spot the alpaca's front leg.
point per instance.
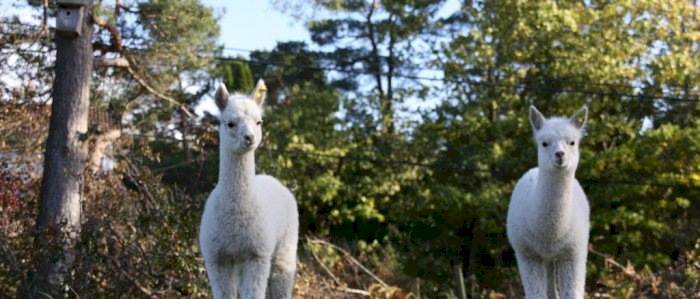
(284, 264)
(254, 277)
(572, 278)
(552, 280)
(280, 284)
(281, 280)
(533, 273)
(221, 279)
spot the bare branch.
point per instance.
(45, 18)
(340, 285)
(146, 291)
(351, 258)
(124, 63)
(371, 35)
(156, 93)
(357, 291)
(328, 271)
(627, 270)
(100, 46)
(117, 6)
(116, 37)
(107, 62)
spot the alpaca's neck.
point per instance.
(555, 202)
(236, 174)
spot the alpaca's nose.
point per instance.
(559, 154)
(248, 139)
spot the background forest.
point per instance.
(400, 131)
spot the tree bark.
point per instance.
(460, 288)
(184, 126)
(58, 222)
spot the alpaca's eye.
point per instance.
(545, 144)
(259, 122)
(572, 143)
(230, 124)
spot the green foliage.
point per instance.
(197, 176)
(178, 32)
(237, 76)
(679, 280)
(444, 199)
(428, 196)
(171, 48)
(301, 118)
(623, 223)
(371, 41)
(521, 53)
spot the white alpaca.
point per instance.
(548, 215)
(249, 230)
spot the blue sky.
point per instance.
(245, 24)
(251, 25)
(255, 25)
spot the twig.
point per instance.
(357, 291)
(124, 62)
(628, 270)
(130, 172)
(74, 292)
(117, 6)
(351, 258)
(340, 286)
(328, 271)
(156, 93)
(115, 62)
(138, 245)
(133, 280)
(44, 19)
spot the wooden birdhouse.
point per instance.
(69, 17)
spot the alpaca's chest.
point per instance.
(548, 243)
(234, 231)
(238, 241)
(236, 225)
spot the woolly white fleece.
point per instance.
(548, 215)
(249, 230)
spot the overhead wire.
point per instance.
(470, 82)
(521, 86)
(567, 81)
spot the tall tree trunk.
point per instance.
(387, 109)
(458, 272)
(375, 62)
(184, 126)
(58, 223)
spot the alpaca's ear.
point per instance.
(536, 118)
(579, 118)
(259, 93)
(221, 96)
